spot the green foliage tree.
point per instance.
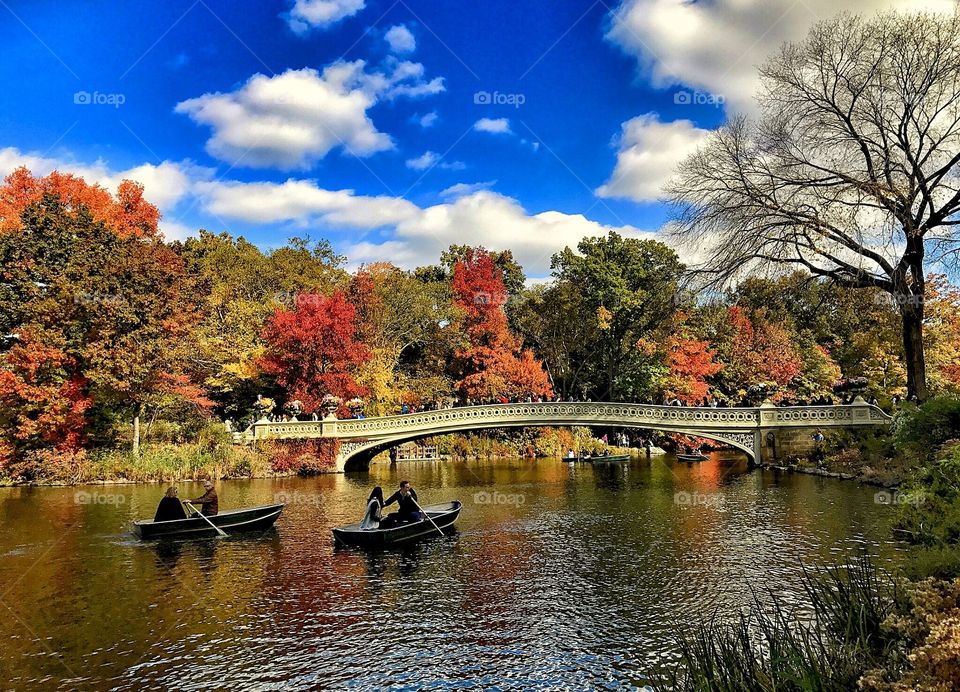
(627, 290)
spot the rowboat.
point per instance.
(610, 459)
(234, 521)
(692, 457)
(443, 516)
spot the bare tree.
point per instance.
(850, 168)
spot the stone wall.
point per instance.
(776, 445)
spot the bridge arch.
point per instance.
(357, 455)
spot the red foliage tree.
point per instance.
(43, 399)
(313, 348)
(127, 212)
(756, 351)
(493, 363)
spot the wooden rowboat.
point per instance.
(443, 516)
(234, 521)
(692, 457)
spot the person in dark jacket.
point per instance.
(406, 496)
(209, 502)
(170, 508)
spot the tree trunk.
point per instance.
(911, 311)
(136, 435)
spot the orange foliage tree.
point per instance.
(127, 213)
(492, 364)
(43, 401)
(690, 362)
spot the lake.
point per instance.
(572, 576)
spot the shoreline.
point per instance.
(824, 473)
(634, 452)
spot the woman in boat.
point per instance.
(371, 520)
(170, 508)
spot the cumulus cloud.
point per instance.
(428, 120)
(717, 46)
(400, 39)
(648, 151)
(294, 119)
(431, 159)
(463, 189)
(497, 126)
(477, 216)
(320, 14)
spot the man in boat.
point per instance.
(406, 496)
(170, 508)
(209, 503)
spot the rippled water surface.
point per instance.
(558, 576)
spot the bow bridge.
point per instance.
(764, 433)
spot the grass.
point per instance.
(771, 648)
(156, 462)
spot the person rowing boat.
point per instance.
(209, 502)
(408, 509)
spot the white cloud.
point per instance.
(294, 119)
(428, 120)
(717, 46)
(494, 125)
(321, 14)
(463, 189)
(431, 159)
(401, 40)
(648, 151)
(301, 201)
(418, 233)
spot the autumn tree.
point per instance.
(397, 316)
(312, 349)
(112, 303)
(491, 363)
(690, 363)
(850, 170)
(43, 398)
(127, 213)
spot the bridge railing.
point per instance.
(678, 418)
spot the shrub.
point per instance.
(920, 431)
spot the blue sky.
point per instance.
(365, 121)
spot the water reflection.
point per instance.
(559, 575)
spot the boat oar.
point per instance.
(220, 532)
(429, 518)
